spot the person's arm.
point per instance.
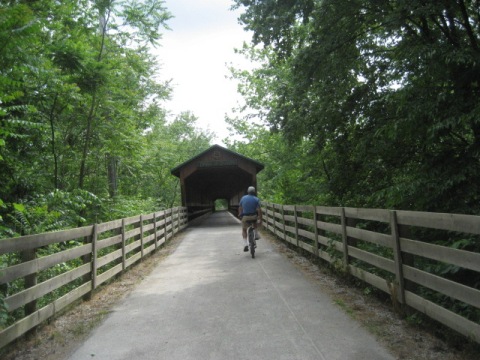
(259, 213)
(240, 211)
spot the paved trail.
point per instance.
(210, 300)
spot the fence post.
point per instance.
(274, 213)
(296, 223)
(171, 222)
(266, 215)
(87, 259)
(315, 219)
(177, 214)
(283, 223)
(178, 218)
(124, 254)
(272, 217)
(344, 238)
(398, 289)
(141, 236)
(94, 257)
(30, 281)
(155, 229)
(165, 233)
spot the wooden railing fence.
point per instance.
(388, 249)
(394, 252)
(94, 254)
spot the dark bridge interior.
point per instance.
(216, 173)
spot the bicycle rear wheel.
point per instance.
(251, 240)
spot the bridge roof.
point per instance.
(177, 170)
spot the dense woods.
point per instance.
(368, 104)
(378, 102)
(356, 103)
(353, 103)
(84, 135)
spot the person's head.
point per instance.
(251, 190)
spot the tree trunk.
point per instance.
(86, 144)
(54, 151)
(112, 175)
(103, 20)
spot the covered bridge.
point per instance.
(216, 173)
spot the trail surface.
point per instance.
(210, 300)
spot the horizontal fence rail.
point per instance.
(79, 260)
(397, 252)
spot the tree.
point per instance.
(288, 177)
(74, 101)
(75, 87)
(386, 90)
(170, 144)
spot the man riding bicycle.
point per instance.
(249, 210)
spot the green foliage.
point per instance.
(287, 178)
(83, 136)
(80, 114)
(55, 211)
(221, 204)
(7, 289)
(17, 24)
(168, 146)
(120, 207)
(383, 95)
(3, 312)
(147, 16)
(367, 104)
(415, 319)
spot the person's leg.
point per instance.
(244, 234)
(246, 220)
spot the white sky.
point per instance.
(195, 54)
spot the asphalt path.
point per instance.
(210, 300)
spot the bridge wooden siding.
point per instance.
(349, 238)
(216, 173)
(102, 251)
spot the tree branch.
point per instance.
(466, 24)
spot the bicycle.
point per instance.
(251, 237)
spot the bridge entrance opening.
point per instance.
(221, 204)
(216, 173)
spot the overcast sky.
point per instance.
(195, 54)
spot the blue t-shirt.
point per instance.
(249, 204)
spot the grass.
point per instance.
(345, 307)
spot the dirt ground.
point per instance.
(407, 340)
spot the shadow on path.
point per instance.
(216, 219)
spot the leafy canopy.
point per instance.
(385, 90)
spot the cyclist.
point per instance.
(248, 210)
